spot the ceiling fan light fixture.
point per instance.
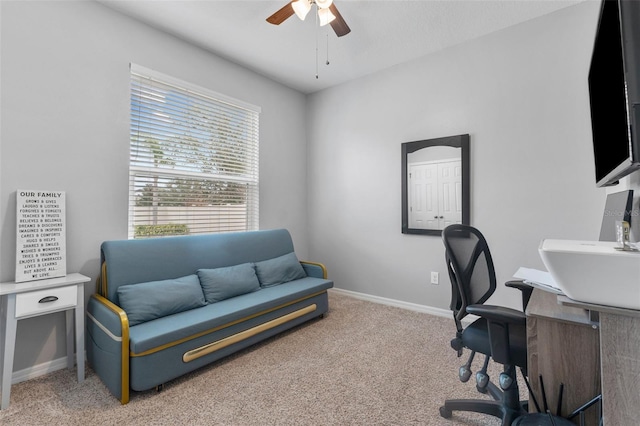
(301, 8)
(325, 16)
(327, 13)
(324, 4)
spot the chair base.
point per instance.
(492, 408)
(505, 405)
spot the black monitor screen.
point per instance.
(607, 94)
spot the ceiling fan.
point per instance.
(327, 14)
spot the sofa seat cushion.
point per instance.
(155, 299)
(184, 325)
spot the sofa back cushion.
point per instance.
(154, 259)
(147, 301)
(223, 283)
(279, 270)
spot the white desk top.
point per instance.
(13, 287)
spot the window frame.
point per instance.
(214, 142)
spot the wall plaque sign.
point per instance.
(40, 235)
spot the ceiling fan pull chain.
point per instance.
(327, 48)
(317, 29)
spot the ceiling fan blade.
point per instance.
(339, 25)
(281, 15)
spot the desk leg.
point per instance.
(9, 346)
(69, 332)
(620, 368)
(564, 353)
(3, 333)
(80, 333)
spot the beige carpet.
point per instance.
(363, 364)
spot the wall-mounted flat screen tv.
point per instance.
(614, 91)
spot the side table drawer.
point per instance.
(42, 301)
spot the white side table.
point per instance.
(34, 298)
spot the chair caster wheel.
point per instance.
(464, 373)
(160, 388)
(445, 412)
(482, 380)
(505, 381)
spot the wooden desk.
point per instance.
(620, 362)
(35, 298)
(564, 347)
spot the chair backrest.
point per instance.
(470, 266)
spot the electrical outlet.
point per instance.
(435, 277)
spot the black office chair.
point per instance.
(499, 333)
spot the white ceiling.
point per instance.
(383, 33)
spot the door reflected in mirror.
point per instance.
(434, 187)
(435, 184)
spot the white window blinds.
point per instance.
(194, 159)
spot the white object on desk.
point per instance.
(538, 279)
(30, 299)
(594, 271)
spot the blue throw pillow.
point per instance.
(222, 283)
(279, 270)
(155, 299)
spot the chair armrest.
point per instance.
(499, 320)
(525, 288)
(519, 284)
(498, 314)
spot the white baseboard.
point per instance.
(397, 303)
(38, 370)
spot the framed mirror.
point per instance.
(435, 184)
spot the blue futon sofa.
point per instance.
(167, 306)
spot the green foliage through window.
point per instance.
(144, 231)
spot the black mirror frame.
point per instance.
(459, 141)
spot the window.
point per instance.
(194, 159)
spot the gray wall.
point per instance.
(65, 126)
(521, 94)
